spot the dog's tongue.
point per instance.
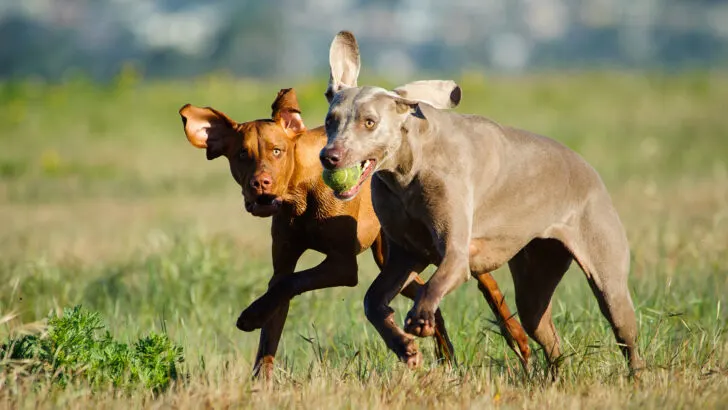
(350, 191)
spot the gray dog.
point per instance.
(468, 195)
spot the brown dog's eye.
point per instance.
(277, 151)
(243, 154)
(369, 123)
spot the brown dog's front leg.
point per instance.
(270, 336)
(335, 270)
(285, 258)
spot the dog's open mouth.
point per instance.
(367, 168)
(264, 205)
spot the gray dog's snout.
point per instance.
(331, 157)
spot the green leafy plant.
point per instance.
(78, 346)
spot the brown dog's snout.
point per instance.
(261, 182)
(331, 157)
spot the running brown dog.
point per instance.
(276, 162)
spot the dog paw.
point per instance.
(247, 322)
(263, 370)
(255, 316)
(420, 323)
(414, 361)
(410, 355)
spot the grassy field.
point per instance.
(104, 203)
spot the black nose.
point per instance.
(330, 157)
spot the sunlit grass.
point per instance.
(104, 203)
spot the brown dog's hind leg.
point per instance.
(443, 346)
(481, 261)
(510, 327)
(537, 269)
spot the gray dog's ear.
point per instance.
(345, 63)
(441, 94)
(407, 106)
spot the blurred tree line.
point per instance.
(174, 38)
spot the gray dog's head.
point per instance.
(364, 125)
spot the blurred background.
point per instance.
(103, 202)
(289, 38)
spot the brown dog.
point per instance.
(276, 162)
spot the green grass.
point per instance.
(104, 203)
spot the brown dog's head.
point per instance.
(260, 152)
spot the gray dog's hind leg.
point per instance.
(537, 269)
(603, 254)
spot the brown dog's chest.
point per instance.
(326, 225)
(336, 233)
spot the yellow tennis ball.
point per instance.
(343, 179)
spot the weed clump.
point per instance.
(78, 346)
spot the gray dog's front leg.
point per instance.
(395, 275)
(451, 273)
(454, 241)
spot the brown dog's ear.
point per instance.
(344, 61)
(207, 128)
(286, 112)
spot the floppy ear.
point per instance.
(207, 128)
(405, 106)
(286, 112)
(344, 62)
(438, 93)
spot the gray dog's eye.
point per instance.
(369, 123)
